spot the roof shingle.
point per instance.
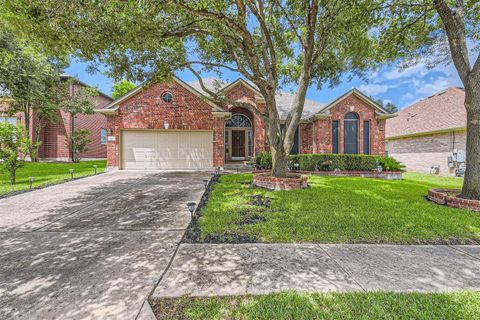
(442, 111)
(283, 99)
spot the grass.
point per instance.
(338, 210)
(47, 173)
(354, 305)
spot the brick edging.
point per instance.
(265, 180)
(440, 196)
(387, 175)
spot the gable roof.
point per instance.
(113, 106)
(283, 99)
(380, 111)
(442, 111)
(68, 76)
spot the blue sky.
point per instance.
(402, 87)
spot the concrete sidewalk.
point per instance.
(229, 269)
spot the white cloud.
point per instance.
(397, 73)
(373, 89)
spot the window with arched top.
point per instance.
(350, 137)
(351, 116)
(238, 121)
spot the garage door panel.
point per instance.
(167, 150)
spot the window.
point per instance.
(167, 97)
(350, 137)
(11, 120)
(103, 136)
(238, 121)
(335, 136)
(366, 137)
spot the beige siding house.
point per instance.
(430, 134)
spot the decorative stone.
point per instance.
(265, 180)
(449, 197)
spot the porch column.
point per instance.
(219, 142)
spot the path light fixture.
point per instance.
(95, 168)
(191, 207)
(217, 170)
(205, 183)
(30, 180)
(71, 172)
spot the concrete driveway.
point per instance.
(92, 248)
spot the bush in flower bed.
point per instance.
(330, 162)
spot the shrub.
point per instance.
(330, 162)
(390, 164)
(14, 146)
(264, 160)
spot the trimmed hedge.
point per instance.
(330, 162)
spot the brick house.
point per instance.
(427, 133)
(171, 125)
(54, 145)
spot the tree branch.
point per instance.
(454, 23)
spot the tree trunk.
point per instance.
(279, 162)
(471, 182)
(12, 177)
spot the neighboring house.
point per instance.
(171, 125)
(54, 136)
(424, 135)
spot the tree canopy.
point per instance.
(274, 44)
(121, 88)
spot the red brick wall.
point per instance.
(241, 92)
(54, 135)
(306, 138)
(94, 123)
(323, 129)
(147, 110)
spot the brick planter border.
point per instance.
(265, 180)
(386, 175)
(441, 196)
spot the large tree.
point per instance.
(442, 31)
(31, 80)
(272, 43)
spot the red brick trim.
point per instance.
(445, 197)
(265, 180)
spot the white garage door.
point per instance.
(167, 149)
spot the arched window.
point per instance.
(351, 133)
(238, 121)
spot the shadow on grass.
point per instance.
(340, 209)
(292, 305)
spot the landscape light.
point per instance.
(71, 172)
(191, 207)
(31, 179)
(205, 183)
(95, 168)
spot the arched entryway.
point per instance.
(239, 136)
(351, 133)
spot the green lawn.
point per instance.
(291, 305)
(48, 173)
(338, 210)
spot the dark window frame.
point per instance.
(367, 145)
(335, 136)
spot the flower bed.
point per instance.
(449, 197)
(265, 180)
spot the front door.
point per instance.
(238, 144)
